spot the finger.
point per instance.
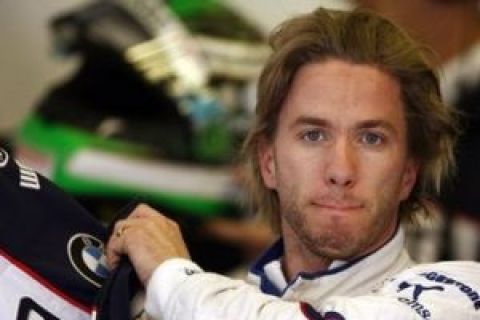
(118, 239)
(112, 253)
(150, 217)
(143, 211)
(112, 259)
(115, 246)
(120, 227)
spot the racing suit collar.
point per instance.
(266, 271)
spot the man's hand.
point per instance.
(148, 238)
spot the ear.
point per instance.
(409, 178)
(266, 160)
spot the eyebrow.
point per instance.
(374, 123)
(365, 124)
(306, 120)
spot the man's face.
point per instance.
(339, 161)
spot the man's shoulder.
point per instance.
(450, 288)
(467, 270)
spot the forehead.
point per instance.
(345, 92)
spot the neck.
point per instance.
(296, 261)
(298, 257)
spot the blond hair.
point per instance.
(360, 37)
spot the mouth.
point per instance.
(340, 206)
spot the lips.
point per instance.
(338, 205)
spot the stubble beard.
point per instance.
(324, 244)
(334, 242)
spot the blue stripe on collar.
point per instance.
(275, 252)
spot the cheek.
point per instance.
(383, 177)
(297, 168)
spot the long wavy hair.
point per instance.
(359, 37)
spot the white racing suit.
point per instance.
(381, 285)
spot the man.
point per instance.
(349, 136)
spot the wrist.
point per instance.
(163, 282)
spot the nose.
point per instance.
(340, 167)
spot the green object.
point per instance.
(209, 17)
(63, 142)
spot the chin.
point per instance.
(335, 247)
(342, 253)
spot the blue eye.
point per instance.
(371, 138)
(313, 135)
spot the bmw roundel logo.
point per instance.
(87, 256)
(3, 158)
